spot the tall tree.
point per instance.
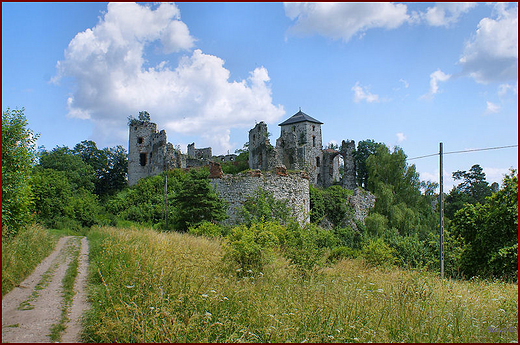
(18, 157)
(473, 189)
(489, 232)
(365, 148)
(196, 201)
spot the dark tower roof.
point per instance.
(300, 116)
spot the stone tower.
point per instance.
(262, 154)
(149, 153)
(300, 145)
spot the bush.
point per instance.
(377, 253)
(342, 252)
(263, 207)
(306, 245)
(209, 229)
(250, 247)
(330, 203)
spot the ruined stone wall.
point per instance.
(236, 188)
(262, 155)
(204, 153)
(349, 177)
(362, 201)
(149, 153)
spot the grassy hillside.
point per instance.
(170, 287)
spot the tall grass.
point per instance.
(158, 287)
(21, 254)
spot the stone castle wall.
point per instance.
(293, 188)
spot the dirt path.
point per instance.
(31, 311)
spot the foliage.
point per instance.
(250, 247)
(342, 252)
(365, 149)
(306, 245)
(196, 201)
(262, 206)
(330, 203)
(78, 173)
(58, 204)
(473, 189)
(18, 157)
(110, 166)
(489, 233)
(209, 229)
(377, 253)
(144, 117)
(240, 164)
(397, 188)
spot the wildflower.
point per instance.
(204, 295)
(213, 291)
(225, 298)
(208, 315)
(152, 308)
(129, 286)
(356, 339)
(380, 290)
(330, 336)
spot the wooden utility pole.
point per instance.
(165, 200)
(441, 213)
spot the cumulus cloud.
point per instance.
(344, 20)
(361, 93)
(435, 78)
(400, 137)
(492, 108)
(445, 13)
(503, 89)
(107, 64)
(491, 55)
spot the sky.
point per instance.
(410, 75)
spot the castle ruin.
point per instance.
(299, 147)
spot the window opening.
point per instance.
(317, 161)
(142, 159)
(140, 140)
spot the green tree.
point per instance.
(261, 206)
(365, 149)
(473, 189)
(489, 232)
(78, 173)
(196, 202)
(110, 166)
(18, 158)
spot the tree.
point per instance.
(365, 149)
(110, 166)
(489, 232)
(196, 202)
(78, 173)
(18, 158)
(473, 189)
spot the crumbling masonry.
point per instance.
(299, 147)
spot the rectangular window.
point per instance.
(140, 140)
(142, 159)
(318, 162)
(313, 141)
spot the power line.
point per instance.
(464, 151)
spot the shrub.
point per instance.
(305, 246)
(250, 247)
(208, 229)
(377, 253)
(262, 206)
(342, 252)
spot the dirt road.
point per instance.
(33, 310)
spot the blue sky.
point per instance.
(406, 74)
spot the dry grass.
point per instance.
(158, 287)
(21, 254)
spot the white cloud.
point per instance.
(405, 83)
(400, 137)
(491, 55)
(362, 94)
(344, 20)
(446, 13)
(503, 89)
(492, 108)
(195, 97)
(435, 78)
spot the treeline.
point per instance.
(76, 188)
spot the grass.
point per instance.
(168, 287)
(21, 254)
(67, 289)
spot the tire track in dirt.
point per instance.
(31, 309)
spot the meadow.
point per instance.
(149, 286)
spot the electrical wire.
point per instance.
(464, 151)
